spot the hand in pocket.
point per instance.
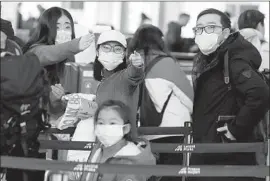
(226, 132)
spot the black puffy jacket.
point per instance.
(213, 98)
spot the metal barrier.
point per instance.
(141, 130)
(186, 131)
(158, 170)
(183, 55)
(165, 147)
(268, 137)
(185, 148)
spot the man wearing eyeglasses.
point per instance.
(227, 105)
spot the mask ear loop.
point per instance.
(225, 38)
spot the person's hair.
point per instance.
(174, 26)
(98, 67)
(224, 19)
(45, 33)
(250, 19)
(144, 17)
(227, 14)
(184, 15)
(122, 109)
(146, 38)
(128, 40)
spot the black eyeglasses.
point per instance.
(116, 49)
(208, 29)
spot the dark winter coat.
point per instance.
(213, 99)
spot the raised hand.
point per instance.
(86, 41)
(57, 92)
(136, 59)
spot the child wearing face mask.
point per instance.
(115, 145)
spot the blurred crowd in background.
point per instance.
(175, 19)
(132, 75)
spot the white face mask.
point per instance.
(208, 43)
(108, 135)
(110, 60)
(62, 36)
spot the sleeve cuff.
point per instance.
(135, 71)
(240, 133)
(233, 130)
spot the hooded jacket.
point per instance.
(213, 98)
(124, 152)
(256, 38)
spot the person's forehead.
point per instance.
(63, 20)
(207, 19)
(112, 43)
(108, 113)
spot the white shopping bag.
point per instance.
(84, 132)
(79, 106)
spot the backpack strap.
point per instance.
(154, 62)
(226, 70)
(166, 103)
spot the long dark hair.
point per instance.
(45, 34)
(98, 67)
(124, 112)
(146, 38)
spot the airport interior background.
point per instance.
(127, 17)
(124, 16)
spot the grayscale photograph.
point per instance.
(135, 91)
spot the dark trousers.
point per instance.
(17, 175)
(170, 158)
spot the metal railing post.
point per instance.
(268, 141)
(187, 140)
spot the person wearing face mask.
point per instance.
(166, 95)
(115, 144)
(118, 81)
(223, 111)
(54, 42)
(251, 27)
